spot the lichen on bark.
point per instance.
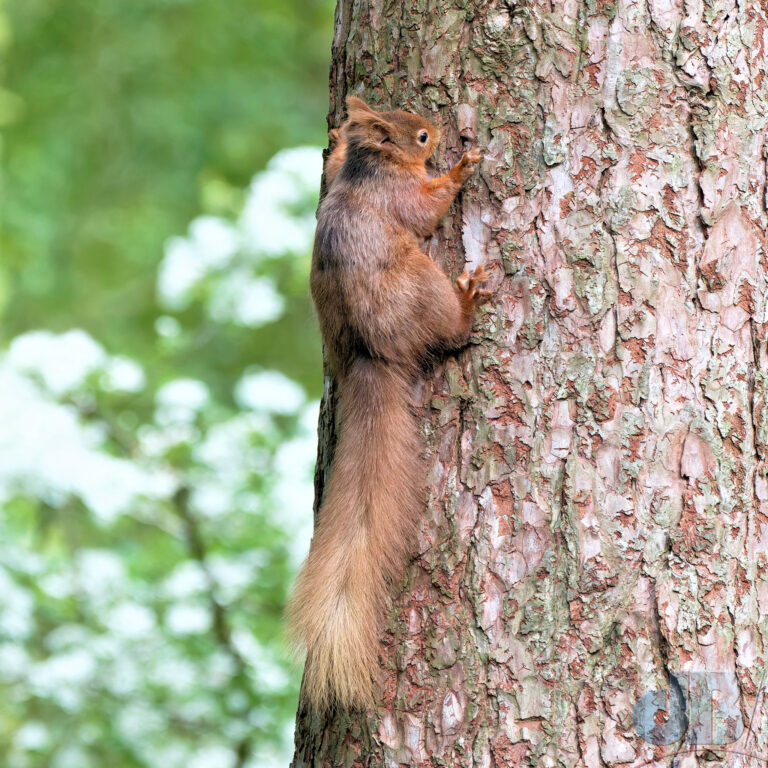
(597, 515)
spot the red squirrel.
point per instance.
(384, 309)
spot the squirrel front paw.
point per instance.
(468, 163)
(473, 156)
(469, 286)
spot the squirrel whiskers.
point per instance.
(384, 309)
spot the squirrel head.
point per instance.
(402, 137)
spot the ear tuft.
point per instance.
(359, 110)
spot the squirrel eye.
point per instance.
(423, 136)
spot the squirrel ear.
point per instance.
(380, 131)
(369, 119)
(359, 111)
(357, 108)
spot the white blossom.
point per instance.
(210, 245)
(185, 580)
(167, 326)
(244, 300)
(123, 374)
(15, 608)
(32, 735)
(46, 451)
(71, 756)
(217, 756)
(62, 361)
(180, 400)
(269, 391)
(294, 492)
(130, 619)
(188, 619)
(269, 225)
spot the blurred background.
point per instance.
(160, 372)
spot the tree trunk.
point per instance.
(597, 521)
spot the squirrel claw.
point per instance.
(469, 285)
(473, 156)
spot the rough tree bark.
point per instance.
(597, 522)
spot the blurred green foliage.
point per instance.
(155, 462)
(123, 119)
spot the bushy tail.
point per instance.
(364, 535)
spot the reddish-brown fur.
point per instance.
(384, 309)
